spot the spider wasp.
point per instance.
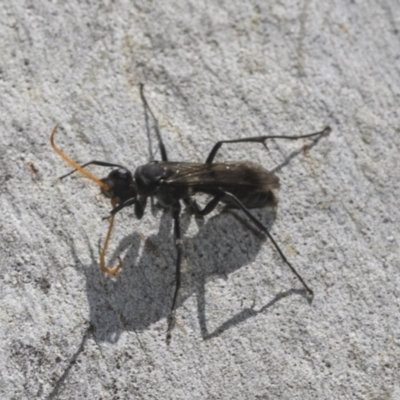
(243, 185)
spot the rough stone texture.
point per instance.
(212, 70)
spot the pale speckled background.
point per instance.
(212, 70)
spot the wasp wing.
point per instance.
(237, 175)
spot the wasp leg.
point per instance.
(260, 139)
(179, 248)
(265, 230)
(119, 207)
(163, 151)
(93, 162)
(194, 207)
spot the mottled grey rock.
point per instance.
(212, 71)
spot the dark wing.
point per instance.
(202, 177)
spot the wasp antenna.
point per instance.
(74, 165)
(107, 270)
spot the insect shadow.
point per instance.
(140, 295)
(241, 185)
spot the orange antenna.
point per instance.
(73, 164)
(114, 270)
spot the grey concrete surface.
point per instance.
(212, 71)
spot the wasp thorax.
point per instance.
(148, 177)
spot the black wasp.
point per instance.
(241, 184)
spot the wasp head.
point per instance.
(121, 185)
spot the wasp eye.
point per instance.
(123, 173)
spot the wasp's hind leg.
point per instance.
(265, 230)
(260, 139)
(195, 209)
